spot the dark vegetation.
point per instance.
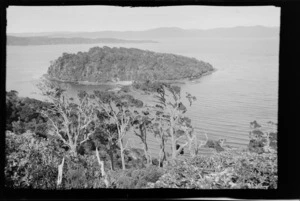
(40, 40)
(81, 142)
(124, 64)
(23, 114)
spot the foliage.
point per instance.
(18, 127)
(263, 139)
(31, 162)
(82, 172)
(142, 124)
(170, 116)
(119, 110)
(72, 121)
(215, 145)
(12, 107)
(147, 86)
(109, 64)
(135, 178)
(228, 169)
(106, 138)
(23, 114)
(135, 158)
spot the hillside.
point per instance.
(169, 32)
(24, 41)
(123, 64)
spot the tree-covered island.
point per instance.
(107, 64)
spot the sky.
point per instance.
(24, 19)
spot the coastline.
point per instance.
(87, 83)
(129, 82)
(185, 80)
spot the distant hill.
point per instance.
(41, 40)
(125, 64)
(170, 32)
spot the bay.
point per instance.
(243, 89)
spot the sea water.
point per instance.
(244, 87)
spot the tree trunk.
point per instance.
(122, 154)
(111, 155)
(60, 172)
(101, 163)
(147, 155)
(73, 149)
(162, 150)
(173, 144)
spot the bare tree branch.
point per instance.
(181, 147)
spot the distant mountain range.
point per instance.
(42, 40)
(165, 32)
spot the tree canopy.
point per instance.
(111, 64)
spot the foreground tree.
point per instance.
(120, 108)
(142, 124)
(161, 134)
(72, 120)
(186, 130)
(106, 138)
(170, 109)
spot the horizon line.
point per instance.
(142, 30)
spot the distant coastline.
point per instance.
(31, 41)
(166, 32)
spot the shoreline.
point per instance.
(87, 83)
(185, 80)
(128, 82)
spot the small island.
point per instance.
(104, 65)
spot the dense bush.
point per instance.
(135, 178)
(31, 162)
(254, 167)
(82, 172)
(227, 169)
(22, 114)
(215, 145)
(147, 86)
(263, 139)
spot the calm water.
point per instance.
(244, 87)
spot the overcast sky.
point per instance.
(99, 18)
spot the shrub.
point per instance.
(18, 127)
(23, 113)
(82, 172)
(231, 168)
(75, 177)
(215, 145)
(136, 178)
(263, 139)
(135, 158)
(31, 162)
